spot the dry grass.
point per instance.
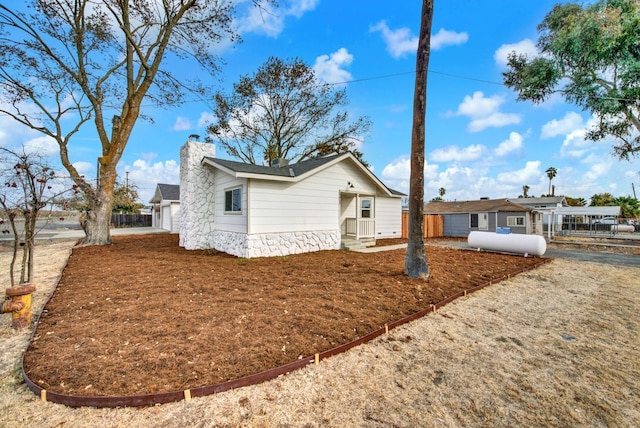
(558, 346)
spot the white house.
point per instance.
(166, 207)
(255, 211)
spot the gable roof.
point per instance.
(545, 201)
(294, 172)
(166, 192)
(483, 205)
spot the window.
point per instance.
(515, 221)
(365, 208)
(473, 220)
(233, 200)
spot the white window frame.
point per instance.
(233, 190)
(363, 209)
(515, 221)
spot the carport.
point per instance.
(583, 220)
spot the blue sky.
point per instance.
(479, 140)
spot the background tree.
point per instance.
(551, 174)
(125, 199)
(66, 63)
(602, 200)
(629, 206)
(282, 111)
(575, 202)
(590, 55)
(525, 191)
(416, 265)
(29, 186)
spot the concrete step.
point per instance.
(351, 244)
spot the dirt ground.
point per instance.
(535, 350)
(146, 316)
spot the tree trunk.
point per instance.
(416, 260)
(97, 221)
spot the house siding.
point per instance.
(175, 217)
(229, 222)
(458, 225)
(388, 213)
(312, 204)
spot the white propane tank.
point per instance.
(508, 242)
(622, 228)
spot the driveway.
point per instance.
(616, 259)
(594, 256)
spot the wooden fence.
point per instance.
(130, 220)
(433, 225)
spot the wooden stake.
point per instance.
(43, 395)
(187, 395)
(317, 359)
(386, 329)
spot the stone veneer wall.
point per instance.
(197, 217)
(275, 244)
(197, 199)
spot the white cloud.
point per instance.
(84, 168)
(401, 41)
(526, 47)
(206, 119)
(43, 146)
(396, 174)
(512, 144)
(329, 68)
(600, 169)
(447, 38)
(484, 113)
(146, 175)
(455, 154)
(495, 120)
(182, 124)
(576, 145)
(571, 121)
(269, 20)
(527, 174)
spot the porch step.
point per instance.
(352, 244)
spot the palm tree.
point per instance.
(551, 173)
(442, 191)
(415, 264)
(525, 191)
(629, 206)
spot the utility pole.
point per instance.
(126, 183)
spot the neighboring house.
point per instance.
(254, 211)
(166, 207)
(546, 205)
(462, 217)
(546, 202)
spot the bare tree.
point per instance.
(29, 186)
(283, 111)
(416, 265)
(64, 63)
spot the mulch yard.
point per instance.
(145, 316)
